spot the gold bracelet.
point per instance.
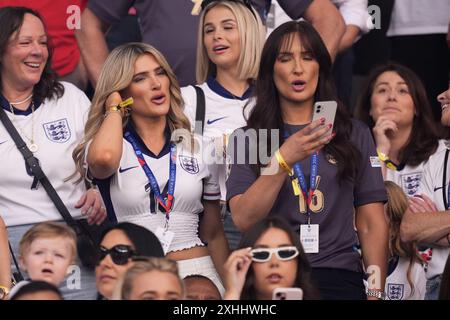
(113, 110)
(283, 163)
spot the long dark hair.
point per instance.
(303, 278)
(424, 138)
(144, 241)
(11, 20)
(266, 114)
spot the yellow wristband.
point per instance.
(283, 163)
(126, 102)
(383, 157)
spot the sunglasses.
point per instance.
(282, 253)
(247, 3)
(120, 254)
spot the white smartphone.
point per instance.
(287, 294)
(324, 109)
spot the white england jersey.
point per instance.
(129, 197)
(397, 285)
(224, 113)
(58, 129)
(432, 187)
(410, 178)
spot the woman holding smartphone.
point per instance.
(316, 182)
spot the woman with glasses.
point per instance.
(149, 169)
(118, 246)
(151, 279)
(321, 181)
(229, 42)
(270, 257)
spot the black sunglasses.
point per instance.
(247, 3)
(120, 254)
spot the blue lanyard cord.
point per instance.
(298, 172)
(167, 203)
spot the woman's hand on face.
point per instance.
(91, 204)
(380, 131)
(236, 268)
(113, 100)
(305, 142)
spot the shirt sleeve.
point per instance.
(211, 188)
(294, 9)
(355, 13)
(369, 185)
(241, 175)
(111, 11)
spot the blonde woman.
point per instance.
(151, 279)
(145, 172)
(229, 43)
(406, 276)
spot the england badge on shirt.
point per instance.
(57, 131)
(189, 164)
(395, 291)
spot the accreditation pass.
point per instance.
(309, 237)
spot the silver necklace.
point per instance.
(31, 145)
(20, 102)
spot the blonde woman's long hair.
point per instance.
(116, 75)
(251, 35)
(395, 209)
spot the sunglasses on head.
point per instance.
(282, 253)
(120, 254)
(247, 3)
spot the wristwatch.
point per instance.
(3, 292)
(377, 294)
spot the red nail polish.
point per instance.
(322, 120)
(330, 126)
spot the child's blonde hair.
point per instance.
(48, 230)
(395, 208)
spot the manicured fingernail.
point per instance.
(322, 120)
(330, 125)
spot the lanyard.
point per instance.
(167, 202)
(301, 180)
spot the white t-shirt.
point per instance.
(397, 285)
(354, 12)
(58, 129)
(223, 114)
(414, 17)
(129, 197)
(432, 187)
(410, 178)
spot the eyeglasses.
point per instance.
(283, 253)
(247, 3)
(120, 254)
